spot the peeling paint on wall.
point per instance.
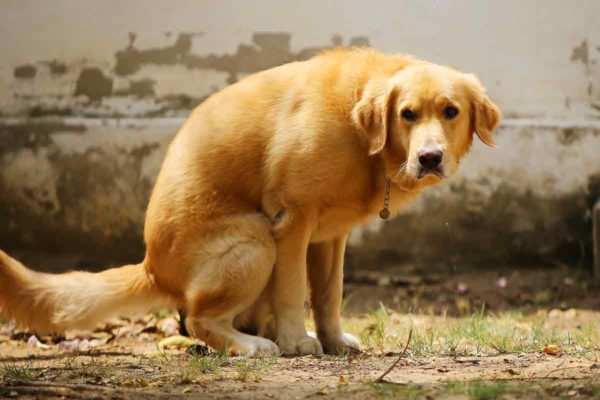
(57, 67)
(138, 88)
(155, 79)
(27, 71)
(266, 51)
(581, 53)
(94, 84)
(589, 56)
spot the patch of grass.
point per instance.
(207, 364)
(17, 372)
(376, 335)
(395, 390)
(480, 390)
(253, 369)
(479, 334)
(489, 390)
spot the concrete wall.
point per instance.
(91, 92)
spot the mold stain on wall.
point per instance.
(72, 202)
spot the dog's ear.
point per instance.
(485, 115)
(373, 112)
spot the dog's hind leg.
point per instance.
(234, 264)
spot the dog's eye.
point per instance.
(408, 115)
(450, 112)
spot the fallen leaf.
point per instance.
(552, 350)
(176, 341)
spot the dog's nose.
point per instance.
(430, 158)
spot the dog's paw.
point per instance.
(343, 343)
(254, 346)
(302, 345)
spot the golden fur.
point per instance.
(257, 194)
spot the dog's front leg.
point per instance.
(289, 291)
(326, 276)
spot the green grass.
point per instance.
(387, 389)
(17, 372)
(476, 390)
(253, 369)
(376, 335)
(207, 364)
(479, 334)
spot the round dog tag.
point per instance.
(384, 213)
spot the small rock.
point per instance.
(569, 281)
(384, 280)
(555, 313)
(501, 283)
(33, 341)
(570, 313)
(462, 288)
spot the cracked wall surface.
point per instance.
(91, 97)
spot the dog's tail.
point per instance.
(53, 303)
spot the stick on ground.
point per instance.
(380, 379)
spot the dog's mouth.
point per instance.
(437, 171)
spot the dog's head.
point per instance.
(422, 120)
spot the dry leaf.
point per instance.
(176, 341)
(552, 350)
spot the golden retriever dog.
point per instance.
(258, 192)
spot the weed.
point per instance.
(375, 335)
(211, 363)
(252, 369)
(395, 390)
(17, 372)
(480, 390)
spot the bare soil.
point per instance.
(106, 374)
(458, 351)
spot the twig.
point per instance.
(380, 379)
(473, 361)
(562, 369)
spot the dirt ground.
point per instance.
(521, 344)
